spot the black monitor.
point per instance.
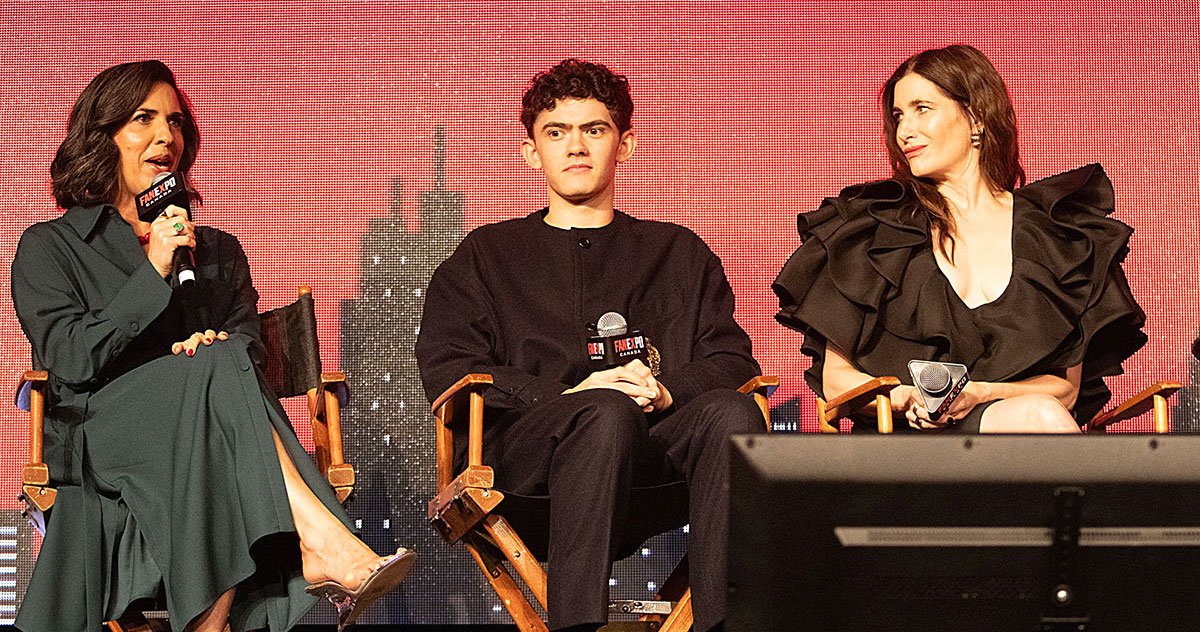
(979, 534)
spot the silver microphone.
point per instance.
(611, 324)
(939, 384)
(615, 343)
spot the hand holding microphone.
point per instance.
(632, 379)
(172, 236)
(621, 356)
(166, 206)
(937, 387)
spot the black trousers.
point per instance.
(590, 448)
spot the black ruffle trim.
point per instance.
(865, 280)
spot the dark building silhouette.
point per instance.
(389, 429)
(1185, 415)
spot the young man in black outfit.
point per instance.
(519, 300)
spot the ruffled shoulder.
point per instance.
(1086, 189)
(854, 239)
(1063, 221)
(1067, 256)
(854, 252)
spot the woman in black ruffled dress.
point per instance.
(950, 261)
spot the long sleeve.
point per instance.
(721, 353)
(239, 317)
(73, 340)
(460, 335)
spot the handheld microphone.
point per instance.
(615, 343)
(168, 189)
(939, 384)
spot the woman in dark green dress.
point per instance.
(179, 475)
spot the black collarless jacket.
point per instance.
(518, 299)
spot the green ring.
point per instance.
(178, 227)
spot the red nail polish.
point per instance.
(191, 352)
(208, 341)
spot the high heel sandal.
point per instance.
(351, 603)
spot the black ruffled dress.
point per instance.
(865, 279)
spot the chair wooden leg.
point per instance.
(518, 606)
(680, 619)
(518, 555)
(1162, 415)
(675, 589)
(676, 584)
(883, 410)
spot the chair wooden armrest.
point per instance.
(463, 501)
(471, 387)
(875, 391)
(325, 415)
(35, 476)
(762, 387)
(1155, 396)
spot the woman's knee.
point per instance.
(1047, 414)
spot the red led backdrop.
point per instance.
(319, 153)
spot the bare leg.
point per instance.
(213, 619)
(1028, 414)
(328, 550)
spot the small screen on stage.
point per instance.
(989, 534)
(349, 146)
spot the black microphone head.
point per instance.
(611, 324)
(168, 188)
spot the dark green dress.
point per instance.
(169, 483)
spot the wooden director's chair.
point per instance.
(878, 390)
(292, 367)
(468, 508)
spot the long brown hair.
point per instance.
(966, 76)
(84, 171)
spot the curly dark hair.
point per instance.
(965, 75)
(84, 171)
(576, 79)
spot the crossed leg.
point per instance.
(1028, 414)
(328, 550)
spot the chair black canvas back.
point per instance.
(293, 362)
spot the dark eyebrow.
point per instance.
(152, 111)
(914, 103)
(589, 124)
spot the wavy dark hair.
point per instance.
(576, 79)
(967, 76)
(84, 171)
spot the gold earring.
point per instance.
(977, 139)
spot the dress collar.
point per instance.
(84, 218)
